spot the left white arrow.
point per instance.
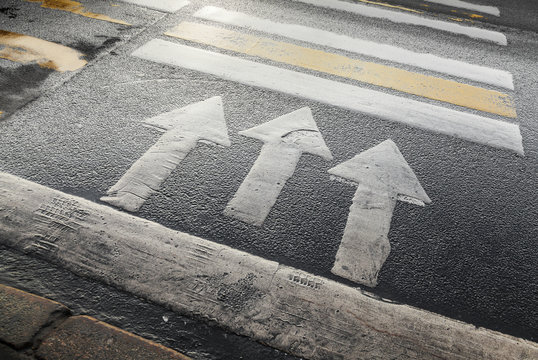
(184, 128)
(285, 139)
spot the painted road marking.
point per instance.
(76, 8)
(285, 139)
(382, 176)
(247, 294)
(433, 118)
(381, 75)
(28, 49)
(170, 6)
(486, 9)
(391, 6)
(439, 64)
(404, 18)
(185, 127)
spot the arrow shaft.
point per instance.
(260, 189)
(365, 245)
(147, 174)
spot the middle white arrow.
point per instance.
(285, 139)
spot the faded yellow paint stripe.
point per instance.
(76, 8)
(27, 49)
(391, 6)
(381, 75)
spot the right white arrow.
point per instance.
(382, 174)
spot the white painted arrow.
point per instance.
(285, 139)
(185, 127)
(383, 176)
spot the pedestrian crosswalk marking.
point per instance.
(411, 19)
(170, 6)
(486, 9)
(28, 49)
(391, 53)
(381, 75)
(391, 6)
(76, 8)
(475, 128)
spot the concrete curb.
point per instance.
(283, 307)
(34, 327)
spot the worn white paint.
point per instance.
(429, 117)
(285, 139)
(382, 174)
(289, 309)
(170, 6)
(185, 127)
(396, 54)
(486, 9)
(405, 18)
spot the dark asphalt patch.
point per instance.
(20, 85)
(10, 12)
(92, 50)
(239, 294)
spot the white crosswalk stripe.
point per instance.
(400, 17)
(396, 54)
(438, 119)
(492, 10)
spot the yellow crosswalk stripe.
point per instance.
(28, 49)
(376, 74)
(76, 8)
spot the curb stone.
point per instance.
(23, 315)
(241, 292)
(34, 327)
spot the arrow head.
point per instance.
(203, 120)
(297, 128)
(383, 167)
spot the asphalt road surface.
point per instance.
(392, 149)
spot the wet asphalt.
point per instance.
(469, 255)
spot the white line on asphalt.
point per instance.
(170, 6)
(185, 127)
(300, 313)
(285, 139)
(401, 17)
(381, 174)
(429, 117)
(439, 64)
(486, 9)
